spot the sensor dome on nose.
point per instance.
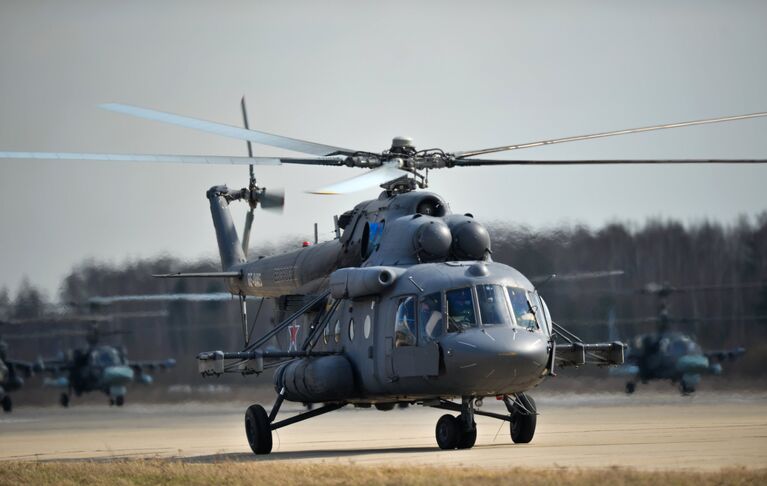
(471, 241)
(433, 240)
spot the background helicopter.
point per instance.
(667, 353)
(672, 355)
(11, 378)
(98, 367)
(438, 318)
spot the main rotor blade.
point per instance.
(173, 159)
(478, 162)
(576, 276)
(626, 131)
(369, 179)
(230, 131)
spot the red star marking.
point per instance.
(293, 329)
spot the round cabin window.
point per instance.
(338, 331)
(366, 327)
(326, 335)
(351, 329)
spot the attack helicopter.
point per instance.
(404, 305)
(97, 367)
(672, 355)
(11, 378)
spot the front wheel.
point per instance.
(120, 400)
(64, 400)
(523, 425)
(258, 430)
(448, 432)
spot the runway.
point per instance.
(659, 431)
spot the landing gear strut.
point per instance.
(64, 399)
(259, 425)
(460, 432)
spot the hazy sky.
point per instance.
(455, 75)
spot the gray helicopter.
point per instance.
(12, 374)
(405, 305)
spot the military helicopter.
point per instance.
(404, 305)
(97, 367)
(672, 355)
(11, 378)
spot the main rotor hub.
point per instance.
(402, 145)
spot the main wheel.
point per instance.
(119, 400)
(468, 437)
(7, 404)
(630, 387)
(258, 430)
(64, 400)
(448, 432)
(523, 426)
(685, 388)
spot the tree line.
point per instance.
(710, 254)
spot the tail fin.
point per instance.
(229, 247)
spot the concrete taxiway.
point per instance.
(659, 431)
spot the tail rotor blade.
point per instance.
(246, 232)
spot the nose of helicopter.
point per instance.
(118, 375)
(492, 360)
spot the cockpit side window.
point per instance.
(541, 312)
(522, 307)
(460, 310)
(492, 306)
(404, 323)
(105, 357)
(431, 324)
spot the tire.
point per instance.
(523, 426)
(631, 387)
(686, 389)
(258, 430)
(7, 404)
(120, 400)
(448, 432)
(468, 438)
(64, 400)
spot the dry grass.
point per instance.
(172, 472)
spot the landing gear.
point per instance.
(258, 430)
(64, 400)
(447, 432)
(460, 431)
(523, 415)
(630, 387)
(119, 400)
(7, 404)
(686, 388)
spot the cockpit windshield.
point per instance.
(460, 310)
(492, 306)
(522, 308)
(105, 357)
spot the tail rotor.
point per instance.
(274, 200)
